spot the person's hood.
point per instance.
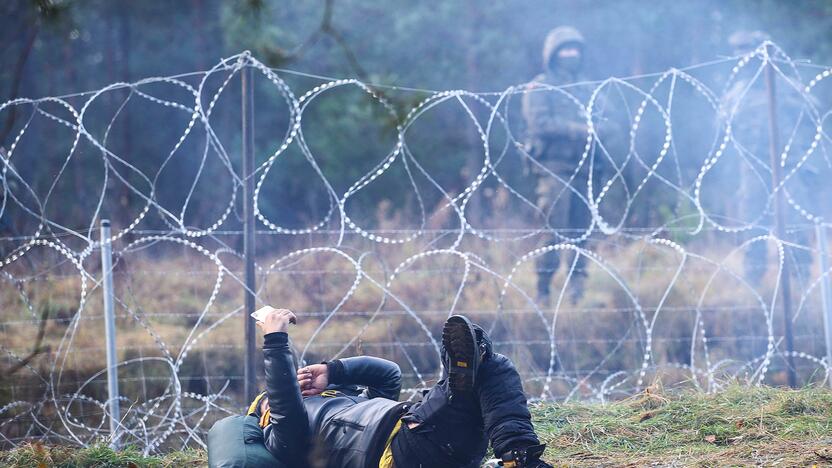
(558, 38)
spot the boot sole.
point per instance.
(460, 343)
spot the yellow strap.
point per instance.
(253, 407)
(387, 457)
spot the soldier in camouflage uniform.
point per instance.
(557, 133)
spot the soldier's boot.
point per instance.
(577, 282)
(544, 297)
(578, 286)
(546, 265)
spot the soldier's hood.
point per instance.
(558, 38)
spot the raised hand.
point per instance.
(277, 320)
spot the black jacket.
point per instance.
(349, 422)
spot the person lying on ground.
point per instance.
(348, 409)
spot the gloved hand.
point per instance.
(528, 457)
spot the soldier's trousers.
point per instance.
(566, 214)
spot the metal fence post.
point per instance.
(247, 108)
(826, 297)
(110, 331)
(779, 220)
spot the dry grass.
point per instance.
(168, 289)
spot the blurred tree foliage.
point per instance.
(55, 47)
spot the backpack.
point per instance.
(237, 442)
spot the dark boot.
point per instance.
(578, 287)
(544, 300)
(462, 355)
